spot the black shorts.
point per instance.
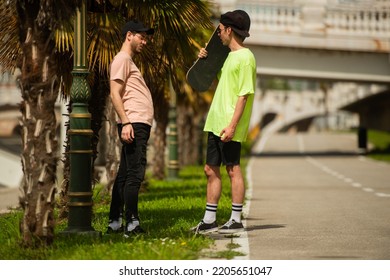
(218, 152)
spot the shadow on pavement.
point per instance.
(261, 227)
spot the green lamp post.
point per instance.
(80, 133)
(173, 162)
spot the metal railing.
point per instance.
(351, 18)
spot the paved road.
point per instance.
(314, 197)
(9, 197)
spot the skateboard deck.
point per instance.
(203, 72)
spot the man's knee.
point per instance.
(233, 170)
(211, 171)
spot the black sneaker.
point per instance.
(115, 226)
(110, 230)
(203, 227)
(133, 230)
(231, 227)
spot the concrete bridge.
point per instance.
(334, 40)
(321, 109)
(337, 50)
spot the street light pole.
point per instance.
(80, 133)
(173, 162)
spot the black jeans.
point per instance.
(130, 174)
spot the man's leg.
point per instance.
(238, 193)
(214, 186)
(214, 183)
(117, 202)
(135, 174)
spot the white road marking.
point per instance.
(356, 185)
(346, 179)
(383, 194)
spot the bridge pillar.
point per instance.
(362, 139)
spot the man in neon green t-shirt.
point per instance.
(228, 121)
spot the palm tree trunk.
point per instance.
(190, 130)
(113, 146)
(161, 108)
(39, 87)
(159, 142)
(97, 107)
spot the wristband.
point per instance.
(123, 124)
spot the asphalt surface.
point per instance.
(9, 198)
(314, 197)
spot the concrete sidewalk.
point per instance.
(9, 198)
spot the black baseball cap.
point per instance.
(238, 20)
(136, 26)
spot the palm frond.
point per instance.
(9, 40)
(104, 40)
(173, 48)
(64, 37)
(54, 12)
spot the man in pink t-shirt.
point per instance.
(133, 104)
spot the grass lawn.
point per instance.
(381, 142)
(168, 209)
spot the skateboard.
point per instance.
(203, 72)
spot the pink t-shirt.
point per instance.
(136, 98)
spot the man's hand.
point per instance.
(127, 134)
(227, 134)
(202, 53)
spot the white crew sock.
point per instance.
(236, 212)
(211, 213)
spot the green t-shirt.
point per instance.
(236, 78)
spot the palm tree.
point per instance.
(45, 41)
(34, 53)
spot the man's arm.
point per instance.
(116, 88)
(227, 133)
